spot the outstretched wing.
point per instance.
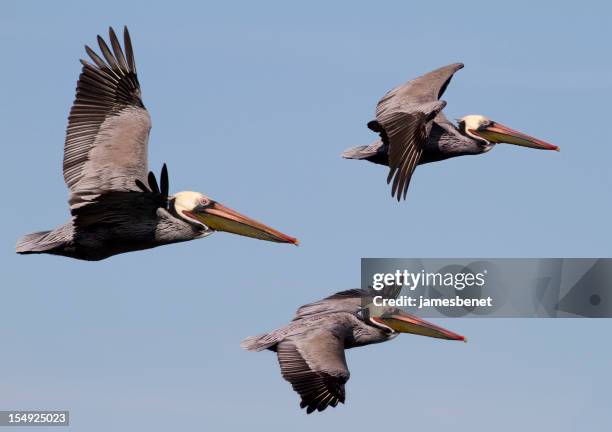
(426, 88)
(403, 120)
(344, 301)
(108, 127)
(315, 366)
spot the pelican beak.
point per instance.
(221, 218)
(405, 323)
(498, 133)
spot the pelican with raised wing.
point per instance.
(310, 348)
(414, 131)
(116, 206)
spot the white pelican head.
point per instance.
(201, 210)
(490, 132)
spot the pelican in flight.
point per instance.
(310, 348)
(116, 206)
(414, 131)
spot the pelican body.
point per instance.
(310, 349)
(116, 205)
(414, 131)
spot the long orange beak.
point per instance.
(498, 133)
(406, 323)
(221, 218)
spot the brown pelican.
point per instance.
(414, 131)
(310, 348)
(105, 168)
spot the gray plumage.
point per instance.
(310, 348)
(105, 167)
(414, 131)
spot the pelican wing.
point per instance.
(343, 301)
(350, 301)
(128, 209)
(406, 134)
(403, 120)
(315, 366)
(122, 212)
(426, 88)
(108, 127)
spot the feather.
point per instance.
(153, 183)
(165, 183)
(117, 50)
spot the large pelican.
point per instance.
(310, 348)
(116, 207)
(414, 131)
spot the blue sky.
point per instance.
(252, 104)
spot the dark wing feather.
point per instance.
(406, 133)
(403, 120)
(142, 186)
(316, 368)
(129, 52)
(108, 127)
(117, 50)
(153, 183)
(407, 136)
(164, 182)
(161, 192)
(120, 212)
(125, 208)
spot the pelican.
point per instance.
(310, 348)
(414, 131)
(116, 206)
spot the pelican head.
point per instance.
(201, 210)
(490, 133)
(394, 321)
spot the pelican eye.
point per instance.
(486, 124)
(204, 203)
(363, 313)
(388, 330)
